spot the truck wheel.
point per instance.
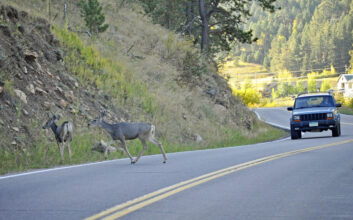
(336, 131)
(299, 134)
(294, 134)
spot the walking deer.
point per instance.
(63, 133)
(124, 131)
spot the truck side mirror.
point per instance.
(290, 108)
(338, 105)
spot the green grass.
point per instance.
(45, 153)
(111, 76)
(346, 110)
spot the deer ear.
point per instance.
(57, 116)
(103, 113)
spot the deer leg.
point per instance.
(143, 142)
(69, 149)
(126, 150)
(58, 143)
(46, 149)
(61, 148)
(154, 141)
(105, 153)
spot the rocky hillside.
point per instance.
(37, 76)
(34, 78)
(34, 81)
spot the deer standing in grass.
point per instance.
(63, 133)
(124, 131)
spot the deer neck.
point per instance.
(54, 128)
(106, 126)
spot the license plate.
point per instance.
(313, 124)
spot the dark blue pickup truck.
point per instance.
(315, 113)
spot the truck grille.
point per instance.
(313, 117)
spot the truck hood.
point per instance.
(315, 110)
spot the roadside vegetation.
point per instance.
(257, 87)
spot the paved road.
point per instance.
(261, 181)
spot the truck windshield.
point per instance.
(313, 101)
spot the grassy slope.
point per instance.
(146, 62)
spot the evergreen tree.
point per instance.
(92, 13)
(214, 24)
(303, 35)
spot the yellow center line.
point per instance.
(140, 202)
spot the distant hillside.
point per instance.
(304, 36)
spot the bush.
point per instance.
(193, 64)
(350, 103)
(248, 95)
(325, 86)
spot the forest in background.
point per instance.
(304, 47)
(302, 37)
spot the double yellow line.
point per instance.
(140, 202)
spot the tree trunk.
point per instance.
(188, 13)
(205, 31)
(65, 10)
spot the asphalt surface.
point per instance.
(312, 184)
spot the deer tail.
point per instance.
(153, 129)
(67, 130)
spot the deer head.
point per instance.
(53, 118)
(97, 120)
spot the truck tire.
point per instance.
(336, 131)
(295, 134)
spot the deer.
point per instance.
(103, 147)
(63, 133)
(124, 131)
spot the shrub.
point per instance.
(248, 95)
(325, 86)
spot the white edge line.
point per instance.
(258, 115)
(55, 169)
(273, 124)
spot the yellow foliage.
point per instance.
(294, 28)
(260, 42)
(313, 75)
(285, 75)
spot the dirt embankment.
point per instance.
(34, 81)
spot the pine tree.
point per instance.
(92, 13)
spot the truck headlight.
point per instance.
(329, 116)
(296, 118)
